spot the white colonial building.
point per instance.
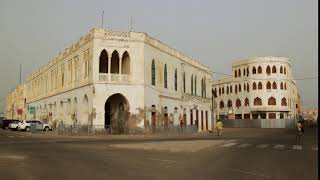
(261, 88)
(121, 80)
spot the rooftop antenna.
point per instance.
(102, 18)
(131, 23)
(20, 74)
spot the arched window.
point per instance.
(219, 91)
(239, 73)
(229, 103)
(227, 89)
(254, 71)
(248, 87)
(257, 101)
(272, 101)
(192, 84)
(184, 82)
(259, 70)
(281, 69)
(274, 85)
(222, 90)
(274, 69)
(115, 62)
(236, 89)
(244, 87)
(244, 72)
(235, 73)
(153, 73)
(268, 85)
(254, 86)
(239, 87)
(268, 70)
(125, 64)
(246, 102)
(238, 103)
(221, 104)
(247, 71)
(175, 80)
(165, 76)
(283, 102)
(284, 70)
(259, 85)
(281, 85)
(285, 86)
(230, 88)
(103, 62)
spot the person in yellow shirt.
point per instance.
(219, 126)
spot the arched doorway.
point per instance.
(117, 114)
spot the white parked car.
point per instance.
(14, 125)
(38, 125)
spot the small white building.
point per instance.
(121, 80)
(261, 88)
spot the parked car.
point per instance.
(14, 125)
(4, 124)
(36, 124)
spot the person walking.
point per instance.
(299, 128)
(219, 126)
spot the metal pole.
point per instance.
(102, 19)
(20, 74)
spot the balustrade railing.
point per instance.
(120, 78)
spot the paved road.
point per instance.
(239, 154)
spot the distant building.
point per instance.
(16, 103)
(310, 115)
(121, 80)
(261, 88)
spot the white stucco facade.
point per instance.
(261, 88)
(109, 75)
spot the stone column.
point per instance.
(120, 63)
(109, 68)
(250, 115)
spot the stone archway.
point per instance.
(116, 116)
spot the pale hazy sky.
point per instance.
(214, 32)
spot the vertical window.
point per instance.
(184, 82)
(268, 85)
(247, 71)
(238, 103)
(274, 69)
(274, 85)
(283, 102)
(246, 102)
(165, 76)
(239, 72)
(268, 70)
(192, 84)
(153, 73)
(175, 80)
(285, 70)
(281, 70)
(257, 101)
(235, 73)
(195, 85)
(259, 70)
(254, 71)
(281, 85)
(254, 86)
(259, 85)
(272, 101)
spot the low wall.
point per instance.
(259, 123)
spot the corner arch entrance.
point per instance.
(116, 116)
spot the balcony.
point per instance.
(114, 78)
